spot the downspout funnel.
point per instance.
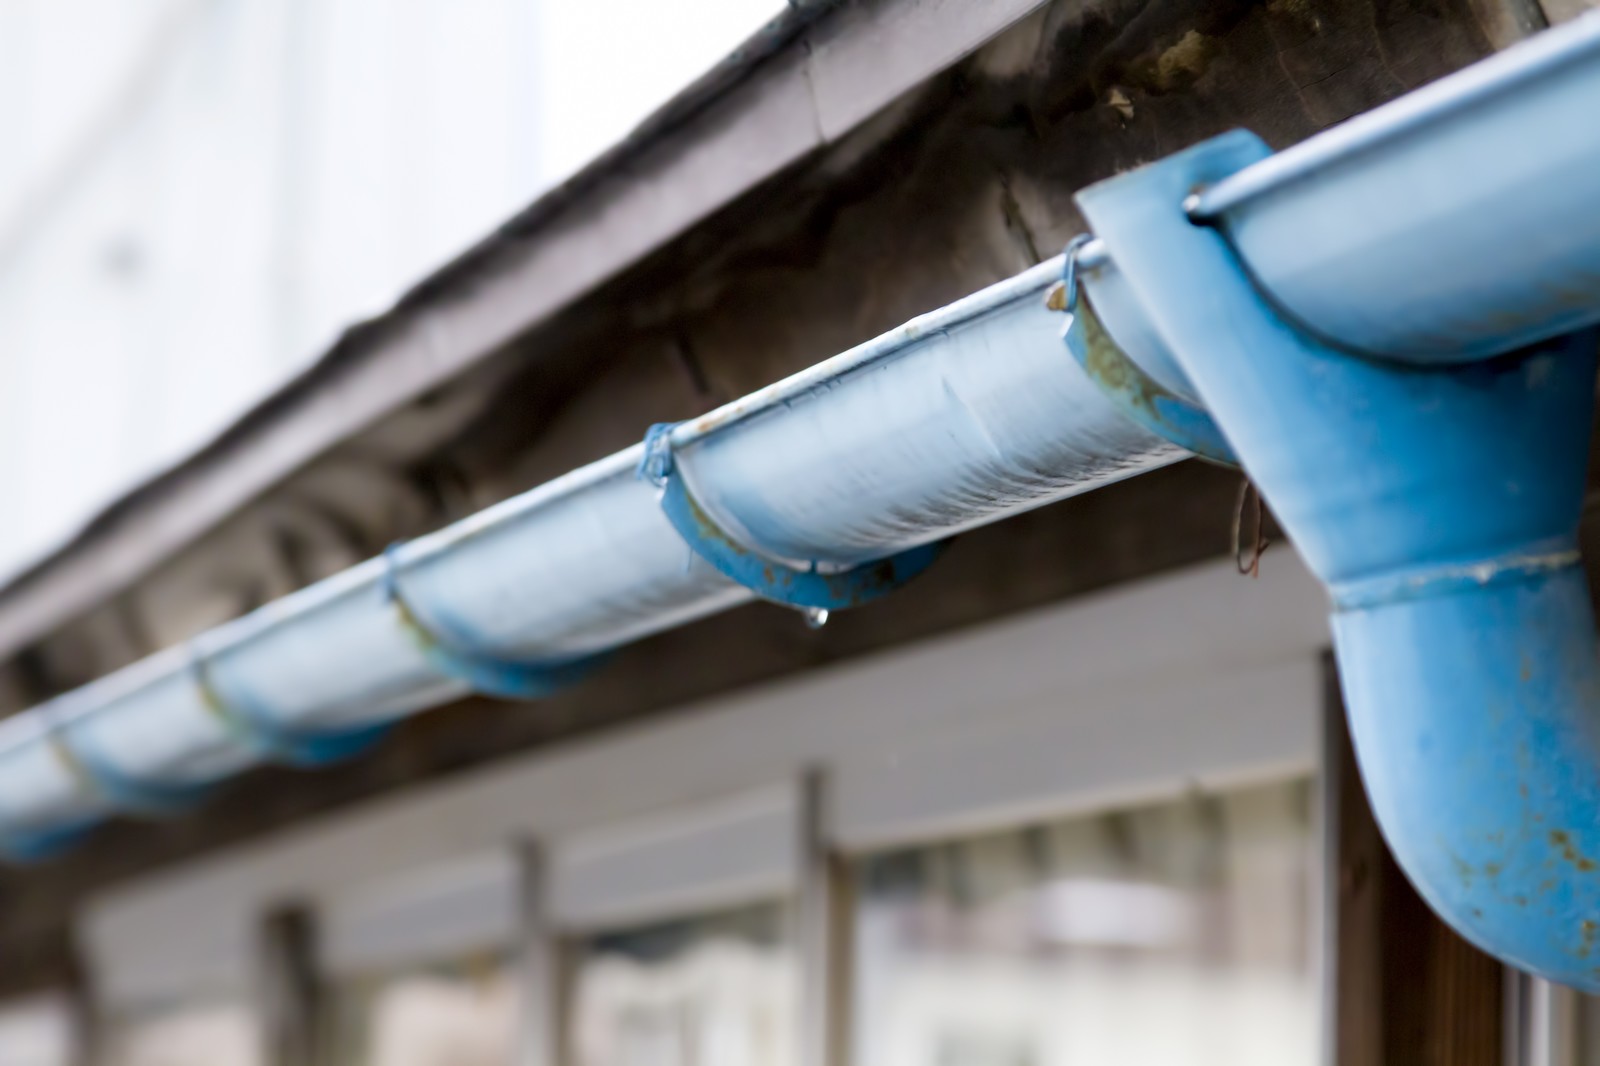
(1440, 505)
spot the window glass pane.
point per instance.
(218, 1033)
(711, 991)
(36, 1032)
(1173, 934)
(456, 1014)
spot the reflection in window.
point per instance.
(459, 1014)
(1175, 934)
(36, 1032)
(712, 991)
(222, 1032)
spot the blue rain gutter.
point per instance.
(1393, 327)
(1388, 325)
(821, 492)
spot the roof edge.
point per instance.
(809, 76)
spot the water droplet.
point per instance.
(816, 617)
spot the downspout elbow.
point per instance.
(1440, 507)
(1475, 710)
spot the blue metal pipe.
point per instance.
(1391, 324)
(1440, 506)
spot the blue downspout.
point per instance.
(1440, 506)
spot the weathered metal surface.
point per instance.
(1136, 393)
(976, 413)
(1441, 508)
(1455, 223)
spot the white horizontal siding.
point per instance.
(1139, 692)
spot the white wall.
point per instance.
(37, 1031)
(197, 195)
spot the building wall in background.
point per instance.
(196, 196)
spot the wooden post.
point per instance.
(291, 989)
(824, 937)
(1406, 990)
(83, 1006)
(541, 962)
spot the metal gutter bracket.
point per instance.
(1135, 393)
(814, 591)
(146, 799)
(484, 672)
(1439, 504)
(256, 730)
